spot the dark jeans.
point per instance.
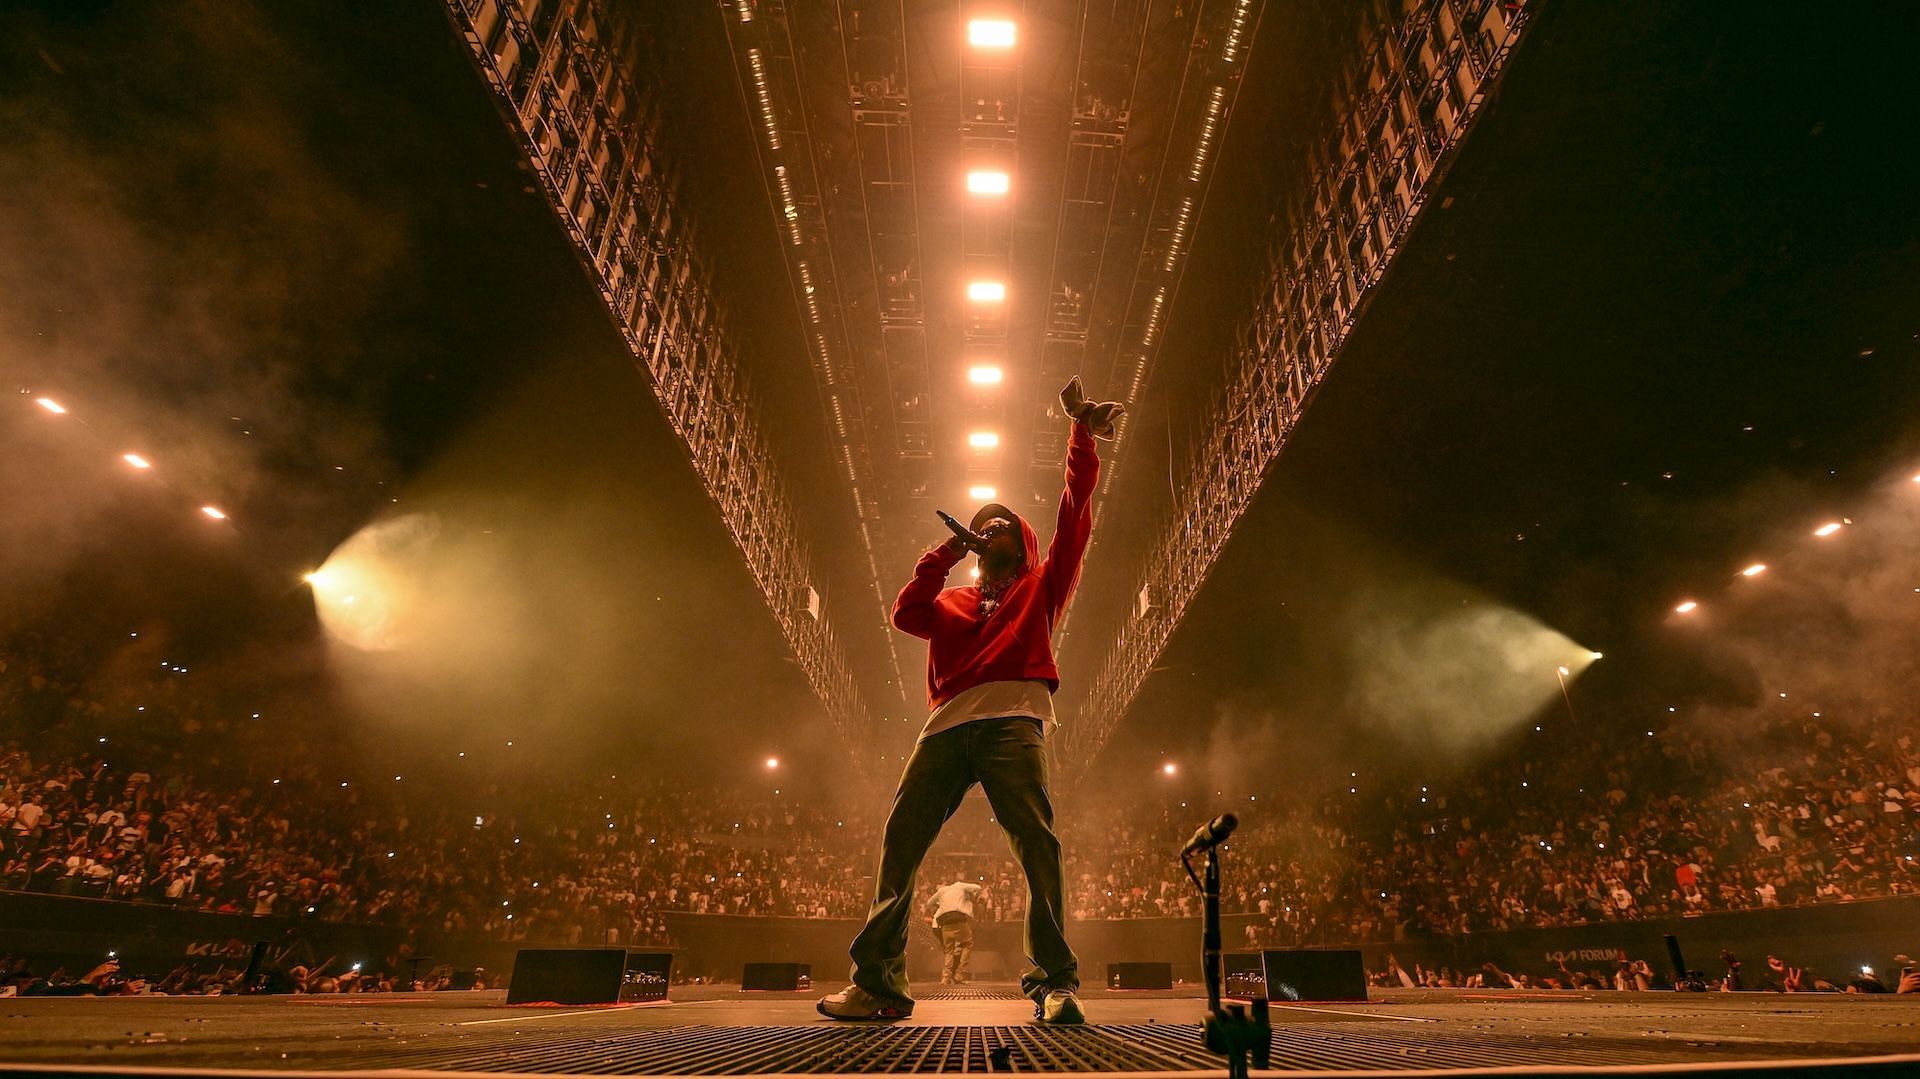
(1008, 757)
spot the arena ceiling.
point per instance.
(1133, 189)
(1654, 311)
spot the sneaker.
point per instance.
(854, 1002)
(1060, 1007)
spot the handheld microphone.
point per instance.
(1211, 834)
(966, 534)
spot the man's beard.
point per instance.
(998, 564)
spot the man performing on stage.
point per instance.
(990, 683)
(953, 919)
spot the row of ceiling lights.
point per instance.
(987, 35)
(136, 461)
(1829, 529)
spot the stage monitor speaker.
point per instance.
(1315, 974)
(1139, 975)
(1244, 976)
(777, 977)
(588, 976)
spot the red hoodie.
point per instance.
(1015, 642)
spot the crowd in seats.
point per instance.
(1809, 810)
(1805, 811)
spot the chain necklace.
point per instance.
(990, 595)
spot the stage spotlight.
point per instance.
(984, 375)
(1596, 655)
(1168, 768)
(986, 291)
(1687, 608)
(1564, 672)
(981, 493)
(54, 407)
(1754, 570)
(213, 513)
(990, 33)
(773, 762)
(987, 182)
(1827, 529)
(136, 460)
(374, 593)
(983, 440)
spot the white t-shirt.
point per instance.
(955, 898)
(993, 700)
(27, 816)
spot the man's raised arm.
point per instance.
(1075, 523)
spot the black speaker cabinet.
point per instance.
(1315, 974)
(777, 977)
(1244, 976)
(1139, 975)
(588, 976)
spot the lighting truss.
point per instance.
(1220, 40)
(587, 131)
(1414, 94)
(1209, 90)
(769, 67)
(883, 151)
(1113, 48)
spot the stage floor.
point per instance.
(720, 1031)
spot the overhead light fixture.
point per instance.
(213, 513)
(54, 406)
(1827, 529)
(981, 492)
(987, 182)
(1754, 570)
(983, 440)
(986, 291)
(1686, 608)
(985, 374)
(990, 33)
(136, 460)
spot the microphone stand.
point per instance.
(1229, 1030)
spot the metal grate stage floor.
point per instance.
(719, 1031)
